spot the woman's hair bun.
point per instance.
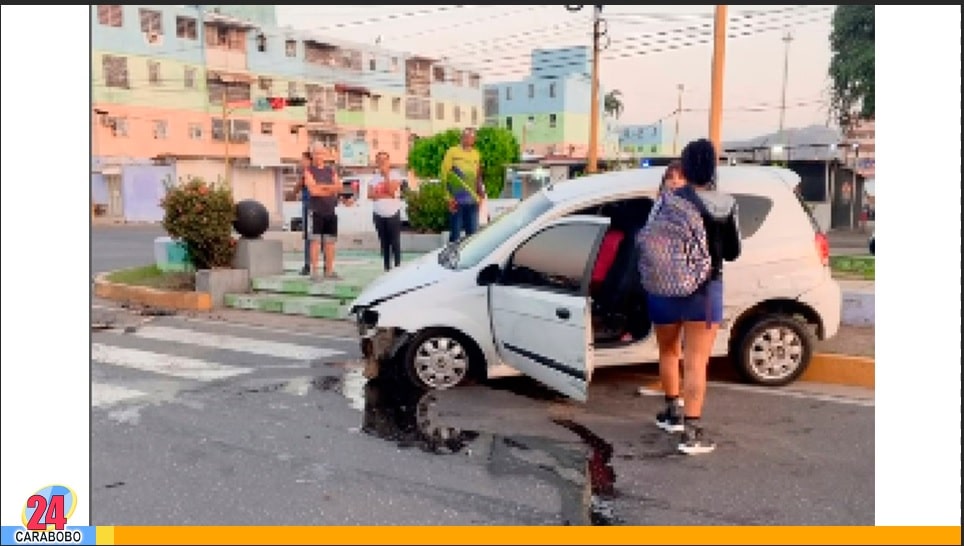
(699, 162)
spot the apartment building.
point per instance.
(549, 110)
(858, 146)
(183, 91)
(642, 141)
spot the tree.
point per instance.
(613, 104)
(852, 63)
(497, 146)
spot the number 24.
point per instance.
(44, 514)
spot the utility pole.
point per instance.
(592, 159)
(716, 93)
(679, 112)
(787, 38)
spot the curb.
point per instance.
(152, 297)
(836, 369)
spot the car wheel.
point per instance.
(775, 350)
(438, 359)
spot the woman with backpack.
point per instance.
(685, 297)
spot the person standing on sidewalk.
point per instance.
(385, 192)
(324, 187)
(712, 237)
(461, 176)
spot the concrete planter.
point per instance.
(218, 282)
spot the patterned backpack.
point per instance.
(674, 255)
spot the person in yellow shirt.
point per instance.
(461, 176)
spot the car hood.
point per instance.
(419, 273)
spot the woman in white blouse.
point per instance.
(385, 193)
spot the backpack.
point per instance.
(674, 254)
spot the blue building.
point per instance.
(642, 140)
(549, 110)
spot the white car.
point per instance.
(515, 297)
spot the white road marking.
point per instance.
(175, 366)
(234, 343)
(103, 394)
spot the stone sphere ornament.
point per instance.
(250, 219)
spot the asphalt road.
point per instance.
(202, 422)
(121, 246)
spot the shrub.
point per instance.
(428, 209)
(201, 216)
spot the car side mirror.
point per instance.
(489, 275)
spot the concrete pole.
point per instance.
(593, 155)
(716, 93)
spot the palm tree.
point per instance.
(612, 104)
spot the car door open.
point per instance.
(540, 308)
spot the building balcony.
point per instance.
(226, 60)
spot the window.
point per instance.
(153, 72)
(396, 142)
(474, 81)
(115, 71)
(371, 65)
(508, 123)
(267, 128)
(396, 105)
(111, 15)
(373, 102)
(474, 249)
(195, 131)
(508, 93)
(261, 42)
(189, 75)
(439, 110)
(160, 129)
(264, 84)
(291, 48)
(186, 28)
(375, 143)
(475, 116)
(118, 126)
(556, 259)
(552, 121)
(457, 114)
(552, 90)
(151, 22)
(239, 130)
(438, 74)
(653, 149)
(753, 211)
(532, 91)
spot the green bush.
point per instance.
(201, 216)
(497, 147)
(428, 209)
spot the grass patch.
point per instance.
(853, 267)
(151, 276)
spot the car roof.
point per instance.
(754, 179)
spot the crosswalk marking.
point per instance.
(234, 343)
(103, 394)
(175, 366)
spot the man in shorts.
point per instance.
(324, 187)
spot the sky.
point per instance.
(640, 60)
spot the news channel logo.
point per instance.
(44, 520)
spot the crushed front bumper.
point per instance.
(377, 344)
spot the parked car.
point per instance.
(515, 296)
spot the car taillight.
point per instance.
(823, 248)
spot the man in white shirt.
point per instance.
(385, 190)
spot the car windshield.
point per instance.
(477, 247)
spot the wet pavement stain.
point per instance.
(411, 419)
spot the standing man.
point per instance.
(301, 193)
(324, 187)
(461, 176)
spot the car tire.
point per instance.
(438, 359)
(774, 351)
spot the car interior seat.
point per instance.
(620, 297)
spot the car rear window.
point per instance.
(753, 211)
(809, 212)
